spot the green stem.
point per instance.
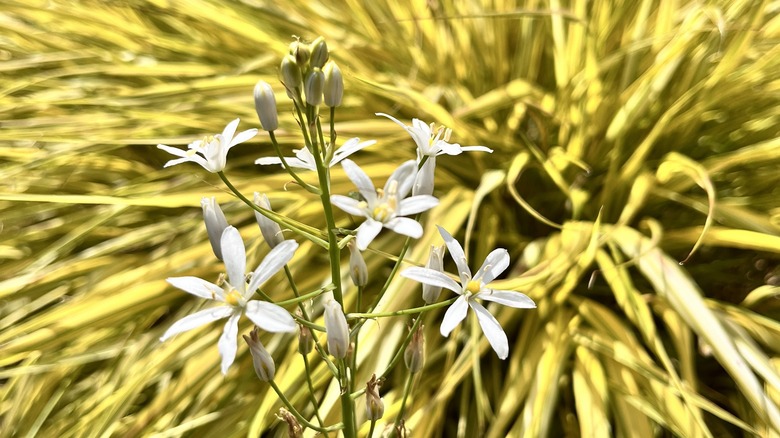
(310, 188)
(411, 311)
(300, 228)
(334, 253)
(371, 429)
(400, 353)
(297, 414)
(308, 323)
(355, 333)
(314, 403)
(305, 297)
(407, 390)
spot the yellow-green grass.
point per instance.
(628, 136)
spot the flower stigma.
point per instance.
(233, 297)
(473, 286)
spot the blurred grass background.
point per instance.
(625, 135)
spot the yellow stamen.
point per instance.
(473, 286)
(382, 212)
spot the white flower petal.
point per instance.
(271, 264)
(350, 147)
(366, 233)
(492, 330)
(432, 277)
(196, 320)
(406, 226)
(301, 164)
(197, 159)
(457, 254)
(304, 159)
(419, 131)
(264, 161)
(230, 129)
(361, 180)
(198, 287)
(495, 263)
(243, 136)
(270, 317)
(445, 148)
(173, 151)
(234, 256)
(351, 206)
(507, 298)
(228, 342)
(476, 149)
(416, 204)
(403, 177)
(454, 315)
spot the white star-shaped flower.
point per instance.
(430, 143)
(303, 159)
(234, 295)
(211, 152)
(471, 288)
(384, 208)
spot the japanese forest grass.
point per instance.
(626, 139)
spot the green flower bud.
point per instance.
(315, 81)
(357, 266)
(305, 340)
(300, 52)
(265, 105)
(291, 74)
(414, 356)
(375, 408)
(337, 329)
(334, 84)
(319, 53)
(261, 359)
(215, 223)
(271, 231)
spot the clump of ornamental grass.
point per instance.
(625, 141)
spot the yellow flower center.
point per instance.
(473, 286)
(382, 212)
(233, 297)
(386, 209)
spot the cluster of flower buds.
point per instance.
(307, 69)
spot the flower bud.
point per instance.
(357, 266)
(423, 181)
(334, 84)
(265, 105)
(375, 408)
(436, 262)
(414, 356)
(261, 359)
(271, 231)
(315, 82)
(300, 53)
(215, 223)
(319, 53)
(337, 329)
(291, 74)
